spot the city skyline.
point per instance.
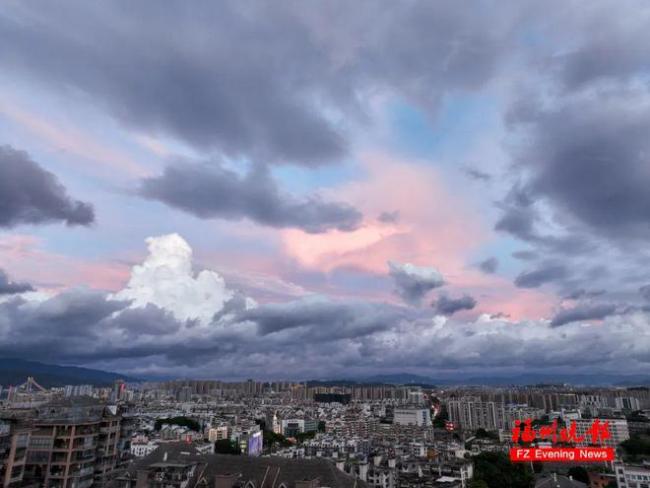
(240, 189)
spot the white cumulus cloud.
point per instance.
(166, 279)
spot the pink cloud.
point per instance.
(498, 295)
(23, 257)
(437, 227)
(75, 142)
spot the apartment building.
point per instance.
(471, 414)
(107, 452)
(412, 416)
(632, 476)
(14, 439)
(617, 429)
(74, 443)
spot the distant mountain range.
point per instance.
(15, 371)
(401, 379)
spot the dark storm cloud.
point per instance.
(249, 78)
(291, 82)
(216, 192)
(223, 80)
(589, 158)
(8, 287)
(525, 255)
(323, 336)
(490, 265)
(522, 218)
(69, 313)
(449, 306)
(82, 324)
(518, 214)
(583, 166)
(60, 327)
(580, 146)
(583, 312)
(31, 195)
(235, 305)
(476, 174)
(582, 293)
(389, 217)
(412, 283)
(540, 276)
(323, 319)
(644, 291)
(149, 320)
(518, 222)
(617, 53)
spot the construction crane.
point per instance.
(30, 386)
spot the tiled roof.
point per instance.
(262, 472)
(548, 481)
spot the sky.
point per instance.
(297, 190)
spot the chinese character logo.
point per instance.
(523, 432)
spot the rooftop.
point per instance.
(268, 472)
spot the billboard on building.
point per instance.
(255, 444)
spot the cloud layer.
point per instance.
(215, 192)
(8, 287)
(222, 81)
(318, 143)
(412, 282)
(449, 306)
(31, 195)
(149, 329)
(583, 312)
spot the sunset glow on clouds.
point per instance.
(432, 226)
(295, 174)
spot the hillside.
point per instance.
(15, 371)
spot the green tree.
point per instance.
(303, 436)
(637, 416)
(272, 439)
(441, 418)
(579, 474)
(498, 472)
(544, 420)
(475, 483)
(637, 446)
(226, 446)
(182, 421)
(484, 434)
